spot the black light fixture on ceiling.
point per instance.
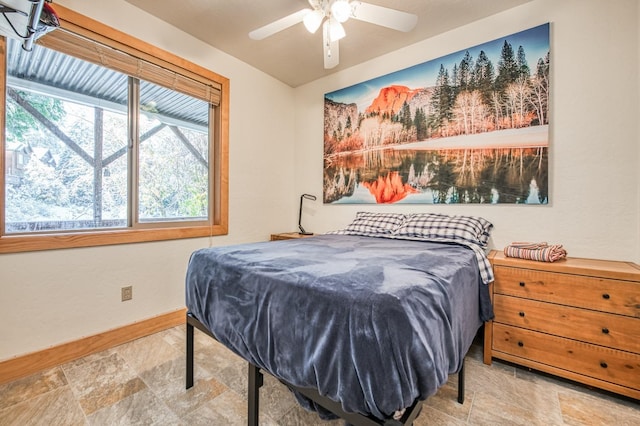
(302, 197)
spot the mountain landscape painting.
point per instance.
(469, 127)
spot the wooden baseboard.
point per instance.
(26, 365)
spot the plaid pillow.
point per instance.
(376, 223)
(433, 226)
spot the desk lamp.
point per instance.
(302, 197)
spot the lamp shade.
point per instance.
(336, 30)
(312, 20)
(340, 10)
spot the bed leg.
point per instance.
(461, 384)
(255, 382)
(189, 355)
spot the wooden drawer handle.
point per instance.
(521, 313)
(521, 283)
(606, 296)
(605, 330)
(603, 364)
(521, 344)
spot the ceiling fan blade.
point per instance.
(331, 48)
(383, 16)
(279, 25)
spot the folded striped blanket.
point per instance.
(542, 252)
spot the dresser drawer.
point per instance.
(614, 331)
(616, 296)
(610, 365)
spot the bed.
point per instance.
(364, 323)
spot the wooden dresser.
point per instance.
(575, 318)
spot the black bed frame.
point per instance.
(256, 381)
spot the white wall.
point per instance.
(52, 297)
(594, 137)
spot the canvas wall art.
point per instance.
(469, 127)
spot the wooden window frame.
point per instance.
(219, 165)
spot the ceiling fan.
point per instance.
(331, 14)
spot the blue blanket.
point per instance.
(372, 323)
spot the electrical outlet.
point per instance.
(127, 293)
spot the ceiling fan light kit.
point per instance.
(331, 14)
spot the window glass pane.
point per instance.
(115, 170)
(173, 156)
(66, 149)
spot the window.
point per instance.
(105, 143)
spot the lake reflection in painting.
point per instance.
(502, 175)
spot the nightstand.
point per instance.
(288, 236)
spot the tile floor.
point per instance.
(142, 383)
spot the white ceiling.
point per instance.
(295, 56)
